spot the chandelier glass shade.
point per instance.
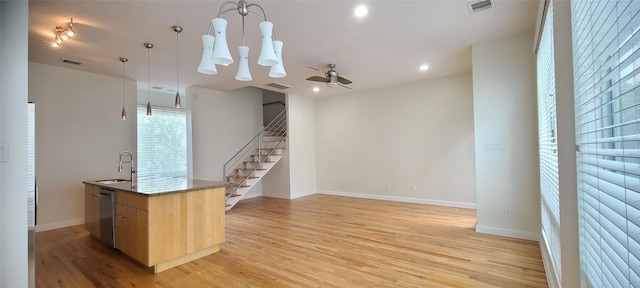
(215, 50)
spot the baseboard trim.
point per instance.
(549, 265)
(508, 233)
(303, 194)
(57, 225)
(400, 199)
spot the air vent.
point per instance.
(156, 87)
(67, 61)
(480, 5)
(278, 85)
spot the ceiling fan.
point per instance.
(331, 77)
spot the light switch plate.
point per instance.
(4, 152)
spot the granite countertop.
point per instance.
(155, 186)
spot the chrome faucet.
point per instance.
(133, 169)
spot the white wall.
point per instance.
(79, 136)
(505, 112)
(302, 145)
(222, 123)
(13, 130)
(294, 175)
(413, 134)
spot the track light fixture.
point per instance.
(215, 49)
(63, 32)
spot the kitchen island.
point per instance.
(159, 222)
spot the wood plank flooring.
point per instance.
(315, 241)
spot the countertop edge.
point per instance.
(128, 187)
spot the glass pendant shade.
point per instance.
(277, 71)
(243, 67)
(177, 103)
(124, 114)
(267, 53)
(148, 108)
(206, 63)
(221, 54)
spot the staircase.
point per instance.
(245, 169)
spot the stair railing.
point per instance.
(277, 129)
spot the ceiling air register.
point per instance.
(216, 52)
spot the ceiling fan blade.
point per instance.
(317, 79)
(315, 69)
(344, 80)
(345, 86)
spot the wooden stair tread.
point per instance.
(249, 169)
(242, 177)
(239, 185)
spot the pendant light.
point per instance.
(177, 103)
(124, 112)
(148, 46)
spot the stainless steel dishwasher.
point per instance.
(107, 223)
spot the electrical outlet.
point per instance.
(361, 185)
(507, 212)
(388, 187)
(414, 188)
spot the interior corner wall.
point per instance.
(14, 32)
(506, 137)
(79, 136)
(411, 142)
(294, 175)
(222, 123)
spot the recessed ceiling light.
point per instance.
(316, 89)
(424, 67)
(360, 11)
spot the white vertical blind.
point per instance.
(607, 98)
(162, 142)
(547, 137)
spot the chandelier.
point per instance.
(215, 50)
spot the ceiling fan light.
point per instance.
(332, 84)
(221, 54)
(64, 36)
(267, 53)
(243, 68)
(206, 63)
(277, 71)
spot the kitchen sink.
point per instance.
(112, 181)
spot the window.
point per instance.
(549, 195)
(607, 102)
(162, 143)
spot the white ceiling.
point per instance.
(384, 48)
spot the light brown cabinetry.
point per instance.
(132, 227)
(168, 230)
(92, 210)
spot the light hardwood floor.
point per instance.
(315, 241)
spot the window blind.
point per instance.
(550, 202)
(162, 142)
(607, 102)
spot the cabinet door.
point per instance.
(126, 223)
(92, 210)
(132, 227)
